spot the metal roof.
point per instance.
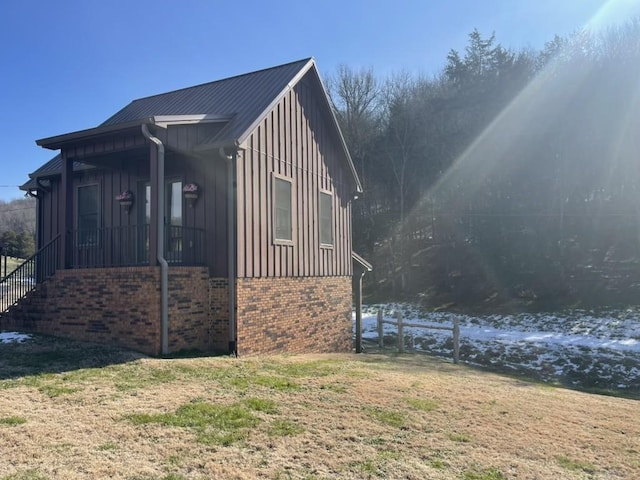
(243, 97)
(244, 100)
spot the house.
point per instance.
(215, 217)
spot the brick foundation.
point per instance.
(294, 315)
(219, 314)
(119, 306)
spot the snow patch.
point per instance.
(10, 337)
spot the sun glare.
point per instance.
(613, 12)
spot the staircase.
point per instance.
(16, 287)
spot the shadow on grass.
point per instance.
(45, 354)
(579, 380)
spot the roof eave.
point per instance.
(59, 141)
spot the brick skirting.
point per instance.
(119, 306)
(294, 315)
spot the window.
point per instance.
(282, 212)
(173, 219)
(326, 219)
(87, 214)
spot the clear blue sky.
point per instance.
(67, 65)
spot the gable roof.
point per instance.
(242, 101)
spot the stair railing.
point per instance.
(35, 269)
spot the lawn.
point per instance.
(73, 410)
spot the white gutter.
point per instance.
(164, 266)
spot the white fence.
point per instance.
(401, 324)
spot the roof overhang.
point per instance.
(61, 141)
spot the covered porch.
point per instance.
(127, 196)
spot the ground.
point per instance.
(72, 410)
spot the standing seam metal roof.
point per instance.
(244, 97)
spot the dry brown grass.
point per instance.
(337, 416)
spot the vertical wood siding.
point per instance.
(130, 173)
(295, 141)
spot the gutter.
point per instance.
(231, 246)
(164, 266)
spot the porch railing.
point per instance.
(129, 246)
(35, 269)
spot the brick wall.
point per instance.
(189, 327)
(219, 314)
(119, 306)
(295, 315)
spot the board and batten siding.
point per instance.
(131, 173)
(295, 141)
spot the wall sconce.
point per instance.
(125, 199)
(191, 192)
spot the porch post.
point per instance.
(66, 210)
(153, 220)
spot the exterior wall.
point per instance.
(132, 172)
(294, 315)
(219, 314)
(189, 327)
(119, 306)
(295, 141)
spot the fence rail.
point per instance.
(401, 324)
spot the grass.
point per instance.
(95, 412)
(12, 421)
(487, 474)
(213, 424)
(575, 465)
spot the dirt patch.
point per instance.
(312, 416)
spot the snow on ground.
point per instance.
(578, 348)
(10, 337)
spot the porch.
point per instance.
(125, 246)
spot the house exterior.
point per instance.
(216, 217)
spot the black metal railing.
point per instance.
(185, 245)
(35, 269)
(109, 247)
(129, 246)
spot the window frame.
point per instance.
(326, 194)
(274, 210)
(82, 239)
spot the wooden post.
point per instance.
(65, 211)
(456, 340)
(400, 332)
(380, 329)
(357, 287)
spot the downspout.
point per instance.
(164, 266)
(231, 247)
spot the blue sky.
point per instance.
(68, 65)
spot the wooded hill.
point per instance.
(510, 179)
(18, 227)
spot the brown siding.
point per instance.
(297, 141)
(130, 173)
